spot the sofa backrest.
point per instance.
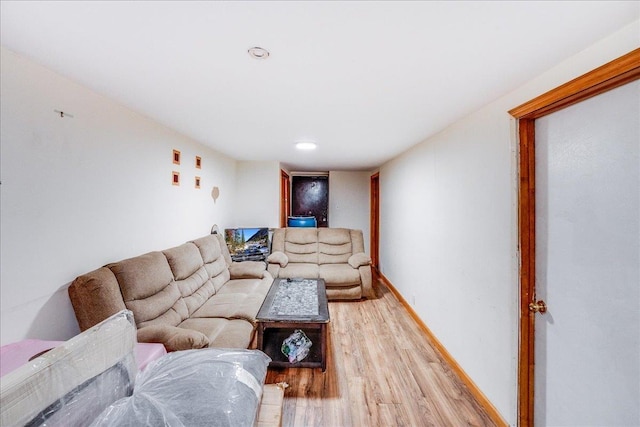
(317, 245)
(301, 245)
(149, 290)
(334, 245)
(216, 258)
(160, 288)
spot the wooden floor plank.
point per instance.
(382, 370)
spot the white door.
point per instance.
(587, 360)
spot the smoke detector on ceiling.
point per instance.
(258, 53)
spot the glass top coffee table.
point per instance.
(294, 312)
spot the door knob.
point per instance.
(538, 307)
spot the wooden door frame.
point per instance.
(374, 223)
(285, 197)
(609, 76)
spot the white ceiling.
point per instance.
(365, 80)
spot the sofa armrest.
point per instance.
(172, 337)
(247, 270)
(367, 281)
(95, 296)
(278, 257)
(273, 270)
(359, 259)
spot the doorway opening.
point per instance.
(310, 197)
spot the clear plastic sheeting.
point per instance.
(73, 383)
(204, 387)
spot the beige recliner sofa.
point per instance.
(333, 254)
(190, 296)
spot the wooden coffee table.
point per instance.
(294, 304)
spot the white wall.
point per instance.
(257, 194)
(448, 231)
(80, 192)
(349, 201)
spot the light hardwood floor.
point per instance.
(381, 371)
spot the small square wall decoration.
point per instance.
(176, 157)
(175, 179)
(198, 162)
(197, 182)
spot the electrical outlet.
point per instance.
(413, 300)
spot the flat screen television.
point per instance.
(247, 244)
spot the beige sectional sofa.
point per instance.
(190, 296)
(333, 254)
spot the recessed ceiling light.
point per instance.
(306, 145)
(258, 53)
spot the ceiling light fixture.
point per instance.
(306, 145)
(258, 53)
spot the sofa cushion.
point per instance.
(357, 240)
(213, 246)
(224, 249)
(334, 254)
(334, 245)
(334, 236)
(301, 236)
(339, 275)
(218, 273)
(231, 305)
(190, 274)
(299, 244)
(148, 289)
(165, 307)
(222, 333)
(301, 252)
(196, 289)
(299, 270)
(142, 276)
(215, 262)
(173, 338)
(248, 286)
(335, 250)
(184, 260)
(209, 248)
(277, 240)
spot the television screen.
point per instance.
(247, 244)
